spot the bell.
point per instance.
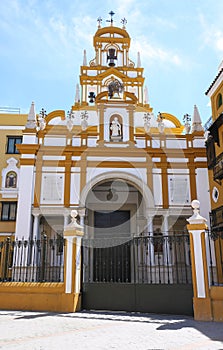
(111, 57)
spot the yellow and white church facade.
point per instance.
(124, 169)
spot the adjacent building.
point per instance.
(11, 125)
(215, 150)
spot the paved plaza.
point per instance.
(104, 330)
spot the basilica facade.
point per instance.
(128, 173)
(126, 170)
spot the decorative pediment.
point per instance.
(108, 32)
(127, 97)
(112, 72)
(55, 114)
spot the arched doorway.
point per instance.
(113, 208)
(124, 267)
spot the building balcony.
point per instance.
(218, 168)
(217, 217)
(213, 128)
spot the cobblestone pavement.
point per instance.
(104, 330)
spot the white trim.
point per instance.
(215, 86)
(8, 127)
(68, 287)
(2, 234)
(118, 159)
(78, 265)
(215, 198)
(199, 268)
(28, 156)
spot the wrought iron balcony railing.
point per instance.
(217, 217)
(218, 168)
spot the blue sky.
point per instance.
(42, 43)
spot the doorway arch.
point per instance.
(129, 178)
(132, 194)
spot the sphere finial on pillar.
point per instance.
(196, 218)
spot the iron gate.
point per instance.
(147, 274)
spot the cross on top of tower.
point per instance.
(111, 13)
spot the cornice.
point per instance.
(28, 149)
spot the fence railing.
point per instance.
(148, 259)
(38, 260)
(10, 110)
(215, 241)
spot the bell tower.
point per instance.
(111, 62)
(111, 84)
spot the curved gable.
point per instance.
(55, 114)
(111, 30)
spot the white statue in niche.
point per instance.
(115, 128)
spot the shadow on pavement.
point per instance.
(213, 330)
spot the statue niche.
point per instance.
(11, 180)
(116, 133)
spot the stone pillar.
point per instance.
(166, 248)
(66, 219)
(81, 213)
(28, 150)
(36, 226)
(73, 234)
(201, 300)
(150, 258)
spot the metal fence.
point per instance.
(215, 242)
(148, 260)
(38, 260)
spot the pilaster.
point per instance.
(73, 234)
(201, 300)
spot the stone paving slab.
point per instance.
(106, 330)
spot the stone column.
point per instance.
(36, 226)
(150, 258)
(81, 213)
(73, 234)
(166, 248)
(201, 300)
(28, 150)
(66, 219)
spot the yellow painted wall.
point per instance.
(11, 120)
(37, 297)
(216, 294)
(218, 149)
(7, 226)
(216, 111)
(3, 146)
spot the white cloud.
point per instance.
(156, 54)
(163, 22)
(212, 34)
